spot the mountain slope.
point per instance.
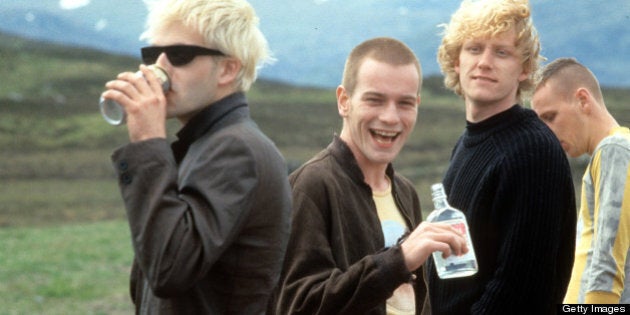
(312, 38)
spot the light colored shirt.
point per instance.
(402, 301)
(601, 268)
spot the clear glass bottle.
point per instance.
(452, 266)
(114, 113)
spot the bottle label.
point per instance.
(461, 227)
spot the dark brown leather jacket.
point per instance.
(336, 260)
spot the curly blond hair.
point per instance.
(487, 19)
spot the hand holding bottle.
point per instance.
(449, 266)
(428, 238)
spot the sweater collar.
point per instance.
(478, 132)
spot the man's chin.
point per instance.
(384, 157)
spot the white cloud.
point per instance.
(100, 25)
(73, 4)
(29, 17)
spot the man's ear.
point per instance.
(229, 69)
(343, 101)
(524, 75)
(584, 100)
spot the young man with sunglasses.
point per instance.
(209, 214)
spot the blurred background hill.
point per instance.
(311, 38)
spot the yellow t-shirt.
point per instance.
(393, 225)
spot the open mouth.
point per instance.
(383, 136)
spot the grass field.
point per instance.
(79, 268)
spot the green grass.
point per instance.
(55, 201)
(67, 269)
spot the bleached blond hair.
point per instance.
(230, 26)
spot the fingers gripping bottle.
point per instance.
(452, 266)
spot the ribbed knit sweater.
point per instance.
(511, 177)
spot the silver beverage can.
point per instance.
(115, 114)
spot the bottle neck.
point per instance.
(440, 203)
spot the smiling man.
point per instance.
(507, 172)
(209, 215)
(345, 253)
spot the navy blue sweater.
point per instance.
(511, 177)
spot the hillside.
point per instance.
(55, 162)
(322, 32)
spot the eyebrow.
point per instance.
(485, 42)
(383, 95)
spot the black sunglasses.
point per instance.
(178, 55)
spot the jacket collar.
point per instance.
(344, 156)
(212, 116)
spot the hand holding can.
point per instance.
(114, 113)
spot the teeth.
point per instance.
(382, 133)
